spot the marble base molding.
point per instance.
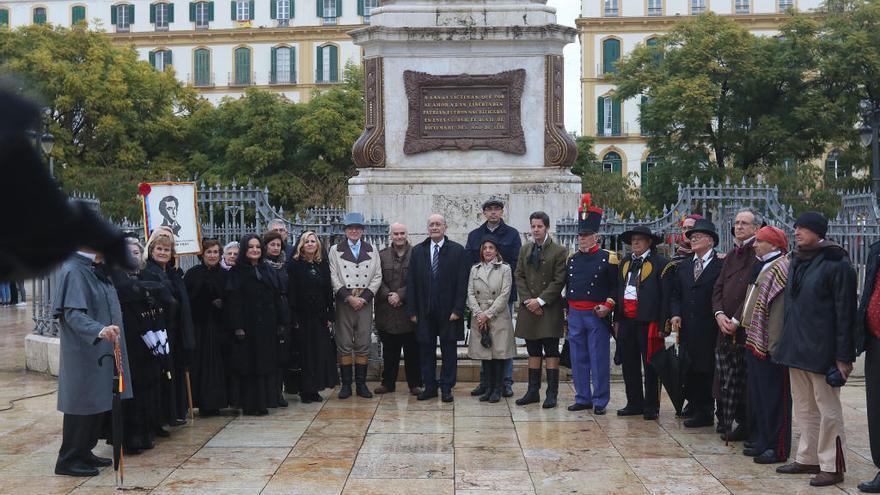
(369, 149)
(560, 149)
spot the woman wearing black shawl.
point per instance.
(178, 318)
(274, 249)
(256, 318)
(312, 312)
(206, 284)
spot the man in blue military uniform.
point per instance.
(591, 288)
(509, 244)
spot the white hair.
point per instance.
(233, 244)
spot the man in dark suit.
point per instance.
(437, 289)
(638, 323)
(691, 308)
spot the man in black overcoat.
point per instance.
(437, 288)
(690, 307)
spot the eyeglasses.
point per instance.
(697, 237)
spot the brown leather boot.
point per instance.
(824, 478)
(798, 468)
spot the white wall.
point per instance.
(636, 8)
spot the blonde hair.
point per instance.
(162, 235)
(298, 254)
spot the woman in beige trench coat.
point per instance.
(491, 338)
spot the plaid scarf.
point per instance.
(757, 338)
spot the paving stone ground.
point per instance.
(395, 444)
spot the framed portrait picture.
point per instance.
(173, 205)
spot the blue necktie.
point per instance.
(355, 250)
(435, 261)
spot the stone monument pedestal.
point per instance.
(463, 102)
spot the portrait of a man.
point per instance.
(173, 205)
(169, 207)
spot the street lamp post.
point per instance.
(869, 135)
(47, 142)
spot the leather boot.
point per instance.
(345, 389)
(532, 394)
(489, 376)
(360, 380)
(552, 388)
(497, 380)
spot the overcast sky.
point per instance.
(566, 13)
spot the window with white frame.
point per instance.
(369, 5)
(655, 7)
(242, 10)
(159, 60)
(203, 15)
(325, 63)
(784, 5)
(612, 8)
(608, 121)
(742, 6)
(161, 15)
(330, 11)
(282, 10)
(123, 20)
(698, 7)
(282, 64)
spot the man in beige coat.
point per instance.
(355, 275)
(540, 277)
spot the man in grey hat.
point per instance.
(88, 310)
(355, 275)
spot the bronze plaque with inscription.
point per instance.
(465, 112)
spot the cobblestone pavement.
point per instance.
(397, 445)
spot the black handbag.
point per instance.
(485, 338)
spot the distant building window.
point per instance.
(368, 6)
(161, 14)
(244, 11)
(612, 162)
(77, 15)
(784, 5)
(610, 55)
(330, 11)
(40, 15)
(834, 169)
(650, 162)
(281, 12)
(327, 64)
(122, 16)
(655, 7)
(608, 122)
(4, 18)
(698, 7)
(612, 8)
(742, 7)
(282, 65)
(202, 14)
(242, 66)
(160, 59)
(202, 67)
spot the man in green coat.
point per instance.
(540, 277)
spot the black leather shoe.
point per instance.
(507, 391)
(95, 461)
(872, 486)
(447, 396)
(699, 421)
(479, 390)
(599, 411)
(78, 468)
(751, 452)
(630, 411)
(651, 416)
(427, 394)
(768, 457)
(579, 407)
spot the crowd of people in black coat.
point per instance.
(249, 322)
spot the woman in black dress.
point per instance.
(274, 248)
(178, 319)
(312, 312)
(206, 284)
(256, 318)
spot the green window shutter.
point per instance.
(642, 130)
(210, 11)
(152, 59)
(251, 10)
(130, 14)
(242, 66)
(600, 120)
(319, 8)
(618, 166)
(361, 8)
(202, 67)
(615, 117)
(334, 64)
(4, 17)
(338, 8)
(168, 60)
(292, 65)
(152, 13)
(292, 8)
(644, 173)
(170, 13)
(232, 4)
(113, 17)
(610, 54)
(319, 75)
(273, 9)
(192, 12)
(77, 15)
(273, 75)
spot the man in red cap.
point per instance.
(768, 385)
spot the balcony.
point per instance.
(191, 80)
(233, 81)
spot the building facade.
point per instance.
(221, 48)
(610, 29)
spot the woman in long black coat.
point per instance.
(206, 284)
(143, 414)
(256, 317)
(274, 249)
(312, 313)
(178, 318)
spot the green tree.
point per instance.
(746, 100)
(608, 190)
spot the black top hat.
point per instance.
(493, 201)
(705, 226)
(626, 237)
(589, 217)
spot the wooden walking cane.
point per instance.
(189, 395)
